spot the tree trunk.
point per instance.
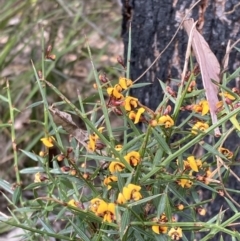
(154, 22)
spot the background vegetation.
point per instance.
(66, 25)
(94, 185)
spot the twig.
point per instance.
(188, 52)
(219, 160)
(234, 8)
(228, 50)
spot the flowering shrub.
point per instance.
(138, 187)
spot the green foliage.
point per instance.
(65, 26)
(97, 184)
(154, 173)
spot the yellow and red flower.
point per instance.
(75, 204)
(136, 116)
(95, 203)
(72, 202)
(159, 229)
(192, 86)
(115, 92)
(184, 183)
(192, 163)
(103, 209)
(227, 96)
(108, 180)
(130, 192)
(166, 120)
(116, 166)
(107, 211)
(125, 83)
(130, 103)
(201, 211)
(199, 126)
(92, 143)
(180, 207)
(161, 220)
(175, 233)
(133, 158)
(118, 147)
(39, 177)
(202, 107)
(228, 154)
(48, 141)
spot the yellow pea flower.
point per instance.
(37, 177)
(228, 154)
(93, 139)
(192, 163)
(114, 92)
(72, 202)
(184, 183)
(125, 83)
(116, 166)
(107, 211)
(95, 203)
(175, 233)
(180, 207)
(159, 229)
(121, 199)
(227, 95)
(202, 107)
(118, 147)
(40, 177)
(108, 180)
(166, 120)
(130, 192)
(133, 158)
(130, 103)
(48, 141)
(199, 126)
(135, 116)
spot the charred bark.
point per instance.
(154, 22)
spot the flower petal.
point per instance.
(116, 167)
(166, 120)
(121, 199)
(125, 83)
(133, 158)
(130, 102)
(48, 141)
(192, 163)
(138, 115)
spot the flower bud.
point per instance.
(65, 169)
(120, 61)
(103, 78)
(201, 211)
(153, 123)
(42, 154)
(180, 207)
(60, 157)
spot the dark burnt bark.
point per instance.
(154, 22)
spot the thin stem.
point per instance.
(43, 84)
(103, 104)
(13, 135)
